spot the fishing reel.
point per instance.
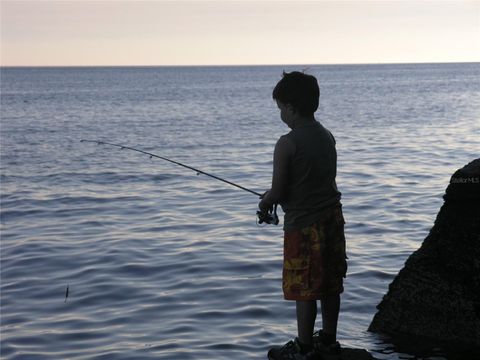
(268, 216)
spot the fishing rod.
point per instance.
(268, 217)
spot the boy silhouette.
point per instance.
(303, 183)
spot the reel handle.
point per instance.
(268, 217)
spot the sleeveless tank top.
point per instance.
(312, 172)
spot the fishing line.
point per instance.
(268, 217)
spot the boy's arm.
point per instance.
(284, 150)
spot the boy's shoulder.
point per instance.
(285, 145)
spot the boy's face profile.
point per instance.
(286, 113)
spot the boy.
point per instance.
(303, 183)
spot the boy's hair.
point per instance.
(299, 90)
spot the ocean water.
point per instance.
(162, 263)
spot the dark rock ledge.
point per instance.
(350, 354)
(437, 293)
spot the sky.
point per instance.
(155, 32)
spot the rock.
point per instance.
(350, 354)
(437, 293)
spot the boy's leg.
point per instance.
(330, 309)
(306, 315)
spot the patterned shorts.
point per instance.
(314, 258)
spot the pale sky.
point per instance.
(113, 32)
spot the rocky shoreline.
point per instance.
(437, 293)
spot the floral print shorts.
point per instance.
(315, 259)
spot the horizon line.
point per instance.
(238, 65)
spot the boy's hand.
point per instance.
(264, 205)
(268, 210)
